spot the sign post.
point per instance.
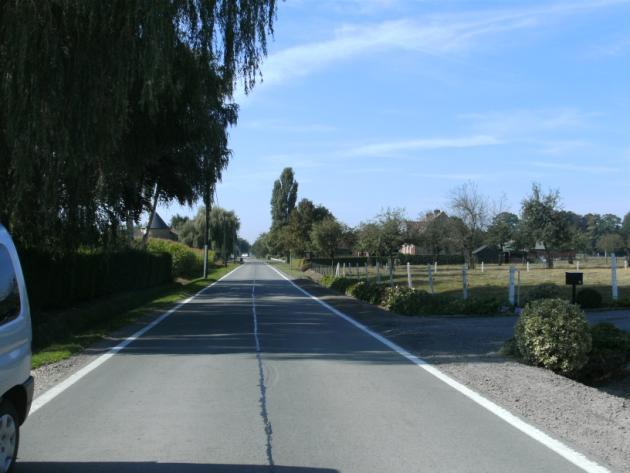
(613, 268)
(574, 279)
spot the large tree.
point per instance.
(543, 222)
(502, 230)
(327, 236)
(283, 198)
(108, 107)
(472, 208)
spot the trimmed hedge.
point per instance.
(554, 334)
(609, 354)
(399, 259)
(56, 282)
(544, 291)
(337, 284)
(588, 298)
(406, 301)
(369, 292)
(187, 262)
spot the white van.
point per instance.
(16, 382)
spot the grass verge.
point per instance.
(59, 335)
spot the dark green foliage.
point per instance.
(337, 284)
(609, 354)
(544, 291)
(369, 292)
(589, 298)
(106, 106)
(59, 281)
(554, 334)
(186, 262)
(407, 301)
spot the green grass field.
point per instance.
(71, 331)
(494, 280)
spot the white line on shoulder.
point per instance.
(56, 390)
(557, 446)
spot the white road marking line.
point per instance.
(578, 459)
(56, 390)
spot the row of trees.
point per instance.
(300, 229)
(223, 227)
(471, 221)
(108, 108)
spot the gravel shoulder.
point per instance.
(595, 422)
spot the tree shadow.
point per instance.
(155, 467)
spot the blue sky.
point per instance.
(393, 103)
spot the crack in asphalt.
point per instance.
(261, 383)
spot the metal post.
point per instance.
(465, 281)
(391, 272)
(409, 275)
(430, 270)
(613, 267)
(511, 291)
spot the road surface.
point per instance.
(254, 376)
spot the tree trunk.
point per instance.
(129, 224)
(549, 258)
(156, 194)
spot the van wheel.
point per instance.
(9, 436)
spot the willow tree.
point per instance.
(106, 107)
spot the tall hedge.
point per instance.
(56, 282)
(399, 258)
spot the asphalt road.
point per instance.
(319, 396)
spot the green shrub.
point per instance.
(544, 291)
(369, 292)
(337, 284)
(405, 300)
(554, 334)
(187, 262)
(589, 298)
(609, 354)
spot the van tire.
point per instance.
(9, 436)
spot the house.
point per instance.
(159, 229)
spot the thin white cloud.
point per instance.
(511, 124)
(575, 167)
(395, 148)
(435, 35)
(277, 125)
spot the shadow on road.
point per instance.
(154, 467)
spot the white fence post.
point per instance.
(528, 266)
(338, 271)
(625, 264)
(391, 272)
(409, 275)
(430, 271)
(577, 265)
(465, 281)
(435, 267)
(511, 291)
(613, 268)
(482, 267)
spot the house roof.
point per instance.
(158, 224)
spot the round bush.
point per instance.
(187, 262)
(544, 291)
(609, 354)
(589, 298)
(553, 334)
(369, 292)
(405, 300)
